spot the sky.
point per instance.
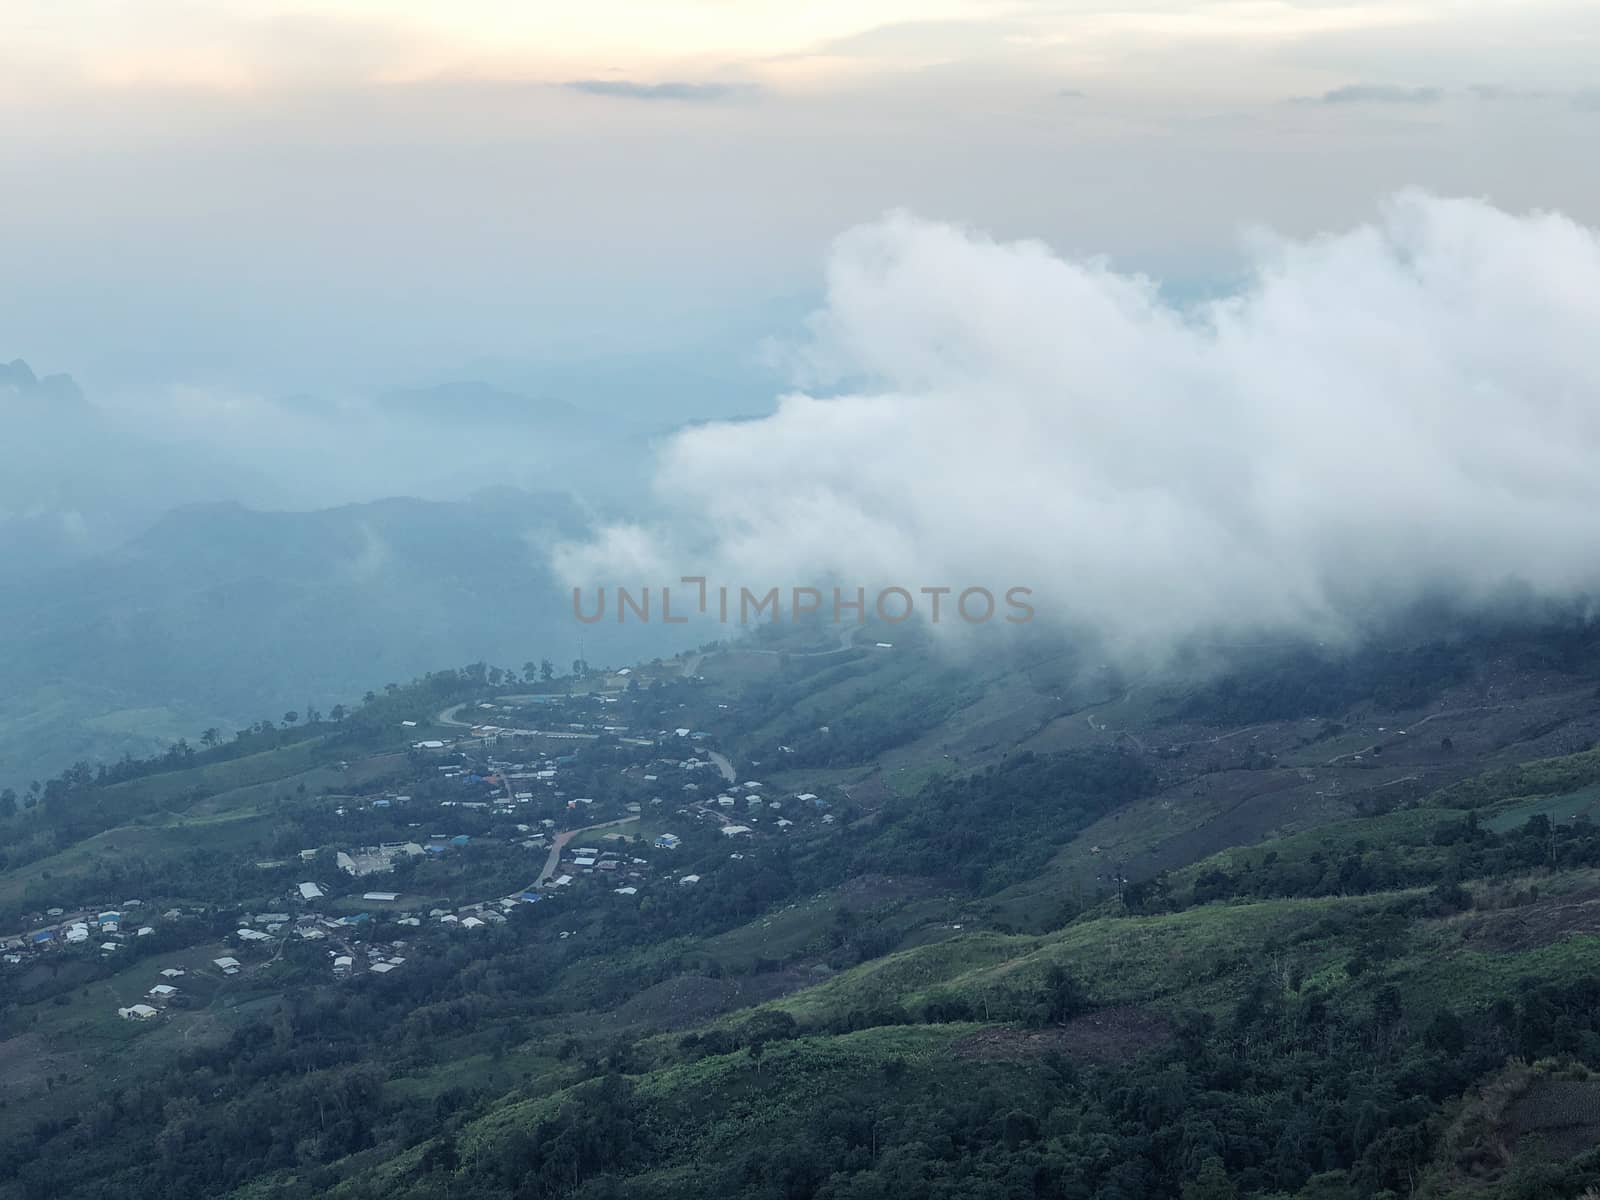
(1196, 318)
(261, 197)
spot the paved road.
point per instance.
(56, 925)
(554, 857)
(448, 717)
(846, 642)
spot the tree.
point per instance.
(530, 671)
(1064, 997)
(1331, 1185)
(8, 803)
(210, 737)
(1211, 1184)
(441, 1155)
(547, 670)
(336, 713)
(1446, 1032)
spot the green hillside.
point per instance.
(1151, 954)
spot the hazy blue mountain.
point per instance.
(223, 615)
(474, 402)
(75, 481)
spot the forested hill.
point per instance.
(1025, 929)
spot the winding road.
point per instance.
(554, 857)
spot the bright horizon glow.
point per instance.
(258, 193)
(234, 45)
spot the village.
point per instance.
(586, 812)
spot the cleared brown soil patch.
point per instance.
(1536, 924)
(871, 791)
(1563, 1115)
(26, 1061)
(1112, 1036)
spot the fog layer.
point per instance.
(1368, 416)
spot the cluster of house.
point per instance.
(380, 960)
(610, 862)
(161, 995)
(311, 926)
(481, 915)
(108, 931)
(742, 807)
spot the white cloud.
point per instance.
(1403, 406)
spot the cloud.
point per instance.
(1495, 91)
(1071, 94)
(627, 89)
(1371, 417)
(1376, 93)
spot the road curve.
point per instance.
(554, 857)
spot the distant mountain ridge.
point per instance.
(475, 402)
(18, 384)
(219, 613)
(76, 481)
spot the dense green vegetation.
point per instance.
(1401, 1003)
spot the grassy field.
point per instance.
(238, 833)
(223, 776)
(237, 821)
(1585, 802)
